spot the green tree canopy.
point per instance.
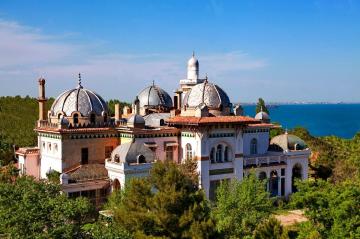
(31, 209)
(167, 204)
(333, 210)
(261, 105)
(270, 228)
(241, 206)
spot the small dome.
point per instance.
(207, 93)
(193, 62)
(154, 97)
(133, 152)
(287, 142)
(136, 121)
(80, 99)
(263, 116)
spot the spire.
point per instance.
(206, 78)
(79, 81)
(153, 83)
(261, 109)
(193, 54)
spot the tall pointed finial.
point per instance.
(79, 81)
(206, 77)
(261, 109)
(153, 83)
(193, 55)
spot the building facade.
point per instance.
(96, 153)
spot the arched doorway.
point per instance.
(273, 184)
(296, 174)
(116, 185)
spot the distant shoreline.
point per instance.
(302, 103)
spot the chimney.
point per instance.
(137, 106)
(117, 113)
(42, 100)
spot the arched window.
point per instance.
(169, 153)
(92, 118)
(253, 146)
(141, 159)
(219, 155)
(59, 115)
(226, 154)
(76, 118)
(212, 155)
(188, 152)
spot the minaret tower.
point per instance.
(193, 69)
(42, 100)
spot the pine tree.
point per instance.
(261, 106)
(166, 204)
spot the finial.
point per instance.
(79, 81)
(193, 54)
(206, 77)
(261, 109)
(153, 83)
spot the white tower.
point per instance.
(193, 69)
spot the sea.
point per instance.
(342, 120)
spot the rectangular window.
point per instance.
(169, 153)
(108, 150)
(84, 156)
(282, 172)
(282, 186)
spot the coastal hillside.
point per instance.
(18, 116)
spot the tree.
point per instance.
(261, 106)
(32, 209)
(167, 204)
(241, 205)
(270, 228)
(333, 209)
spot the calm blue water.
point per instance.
(342, 120)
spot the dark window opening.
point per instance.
(76, 118)
(92, 118)
(141, 159)
(84, 156)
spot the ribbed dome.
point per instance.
(153, 97)
(136, 121)
(132, 152)
(79, 99)
(209, 94)
(287, 142)
(262, 116)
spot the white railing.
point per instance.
(261, 160)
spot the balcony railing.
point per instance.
(262, 161)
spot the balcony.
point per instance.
(263, 161)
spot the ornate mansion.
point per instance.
(96, 152)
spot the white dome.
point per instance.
(153, 97)
(79, 99)
(207, 93)
(262, 116)
(193, 62)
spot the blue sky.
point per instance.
(278, 50)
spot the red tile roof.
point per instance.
(192, 120)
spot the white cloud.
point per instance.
(27, 53)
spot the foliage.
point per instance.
(333, 157)
(241, 205)
(270, 228)
(53, 176)
(17, 121)
(101, 230)
(31, 209)
(261, 106)
(111, 105)
(333, 210)
(167, 204)
(8, 173)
